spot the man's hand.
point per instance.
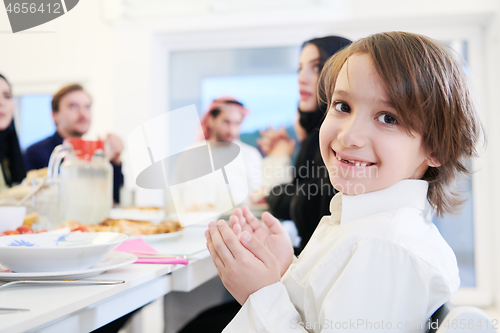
(114, 148)
(244, 264)
(274, 237)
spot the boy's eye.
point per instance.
(341, 107)
(387, 119)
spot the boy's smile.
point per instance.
(352, 160)
(362, 142)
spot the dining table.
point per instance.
(83, 308)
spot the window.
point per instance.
(458, 230)
(271, 99)
(33, 119)
(263, 79)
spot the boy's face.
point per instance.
(362, 130)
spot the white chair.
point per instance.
(462, 319)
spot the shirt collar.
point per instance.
(410, 193)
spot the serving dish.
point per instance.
(52, 252)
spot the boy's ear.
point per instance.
(432, 161)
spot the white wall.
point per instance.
(76, 47)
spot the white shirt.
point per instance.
(253, 165)
(377, 261)
(276, 170)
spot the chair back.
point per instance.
(467, 319)
(438, 317)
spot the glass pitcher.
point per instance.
(86, 181)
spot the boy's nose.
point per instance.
(354, 132)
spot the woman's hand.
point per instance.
(274, 237)
(276, 142)
(244, 264)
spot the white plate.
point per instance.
(158, 237)
(111, 261)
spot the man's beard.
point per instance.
(221, 138)
(76, 134)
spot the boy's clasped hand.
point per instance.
(248, 255)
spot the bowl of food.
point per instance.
(11, 217)
(55, 252)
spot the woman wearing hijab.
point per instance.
(307, 198)
(12, 170)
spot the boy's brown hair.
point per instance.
(56, 99)
(429, 89)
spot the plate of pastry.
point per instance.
(136, 213)
(146, 230)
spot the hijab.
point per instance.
(11, 158)
(327, 46)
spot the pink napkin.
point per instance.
(139, 244)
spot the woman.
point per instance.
(11, 161)
(306, 199)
